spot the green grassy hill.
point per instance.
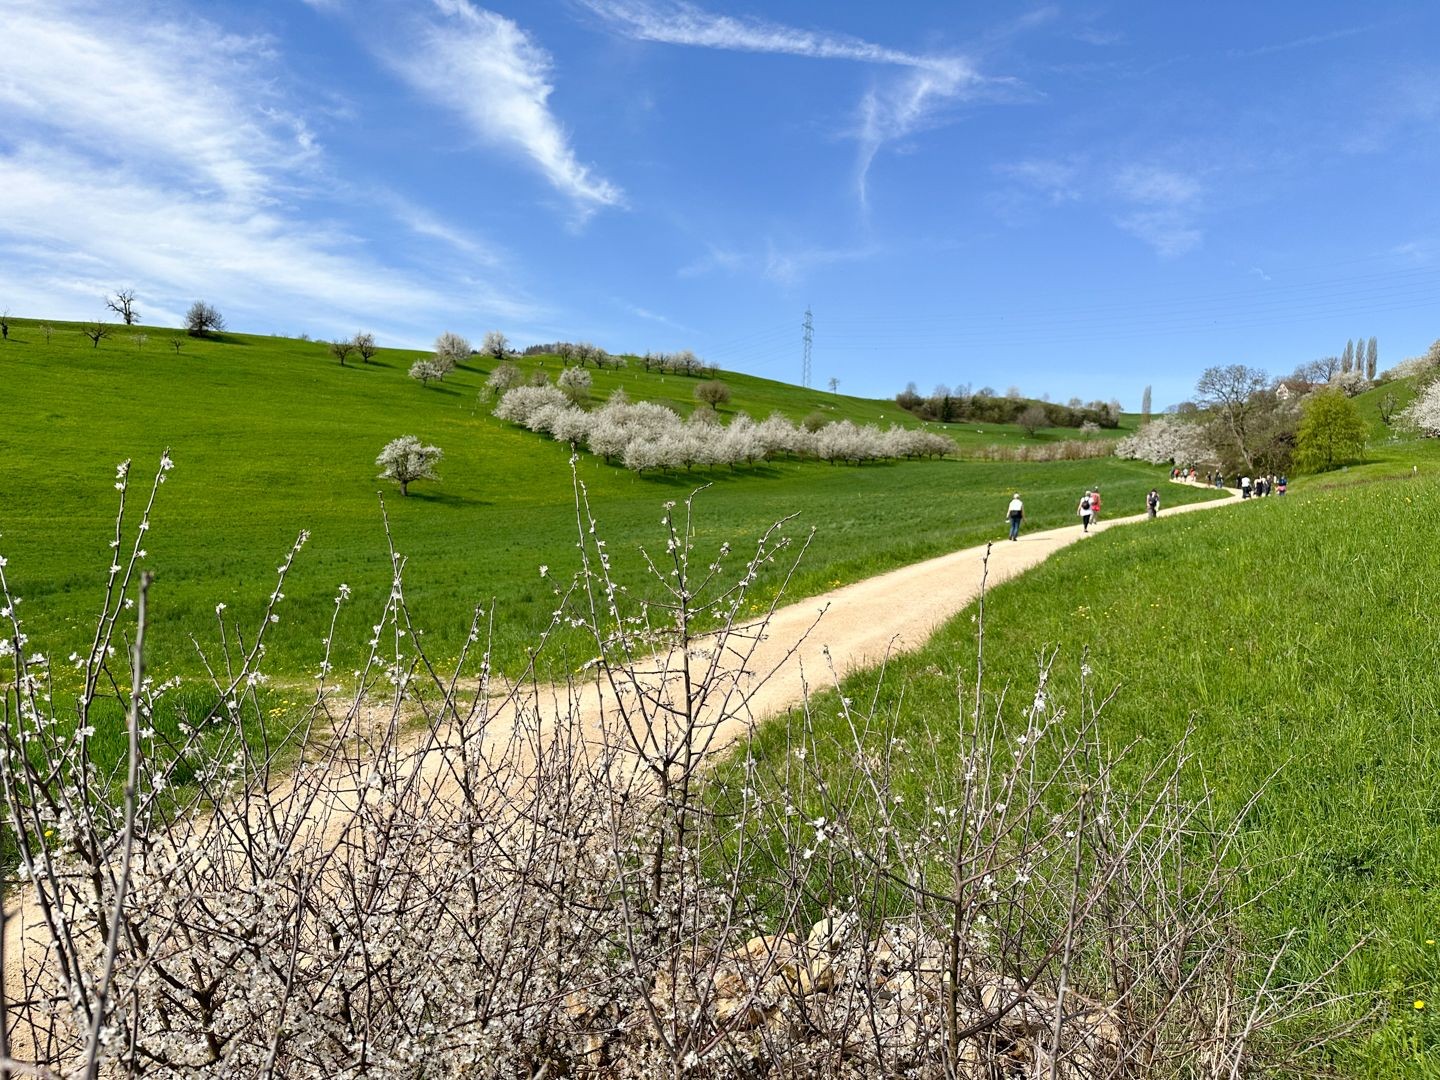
(271, 435)
(1300, 637)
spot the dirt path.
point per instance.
(900, 610)
(861, 624)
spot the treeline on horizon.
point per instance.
(984, 405)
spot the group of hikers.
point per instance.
(1088, 510)
(1258, 487)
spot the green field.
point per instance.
(1300, 637)
(271, 436)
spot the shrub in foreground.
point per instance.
(471, 880)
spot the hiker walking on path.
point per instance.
(1095, 504)
(1086, 510)
(1244, 487)
(1015, 515)
(1152, 503)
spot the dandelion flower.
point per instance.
(1419, 1004)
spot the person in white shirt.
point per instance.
(1015, 515)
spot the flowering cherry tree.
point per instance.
(405, 460)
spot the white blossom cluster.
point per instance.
(646, 435)
(1167, 440)
(1423, 414)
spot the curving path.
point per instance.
(899, 611)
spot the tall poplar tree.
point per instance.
(1145, 406)
(1372, 356)
(1347, 358)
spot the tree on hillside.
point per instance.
(1387, 408)
(1347, 358)
(712, 392)
(451, 349)
(1232, 393)
(503, 378)
(1145, 406)
(1331, 431)
(364, 343)
(576, 383)
(427, 368)
(5, 326)
(405, 460)
(496, 344)
(123, 304)
(96, 332)
(1372, 358)
(340, 349)
(202, 319)
(1032, 419)
(834, 384)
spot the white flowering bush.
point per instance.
(1422, 365)
(646, 435)
(517, 405)
(1167, 440)
(1350, 383)
(1423, 414)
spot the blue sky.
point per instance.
(1074, 199)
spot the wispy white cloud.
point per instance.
(1305, 42)
(686, 24)
(168, 90)
(779, 263)
(918, 98)
(1057, 181)
(1157, 186)
(156, 150)
(1162, 207)
(486, 69)
(656, 317)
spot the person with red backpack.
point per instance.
(1095, 504)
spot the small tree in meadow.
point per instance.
(505, 376)
(1032, 419)
(451, 349)
(712, 392)
(340, 349)
(496, 344)
(1331, 431)
(405, 460)
(202, 318)
(96, 332)
(364, 344)
(425, 369)
(5, 328)
(141, 340)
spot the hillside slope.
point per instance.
(1299, 637)
(272, 435)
